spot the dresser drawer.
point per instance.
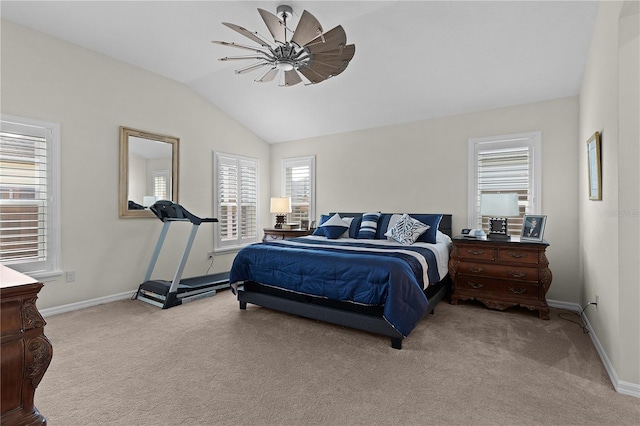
(518, 255)
(496, 287)
(472, 252)
(510, 272)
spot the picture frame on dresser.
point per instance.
(533, 227)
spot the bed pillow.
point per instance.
(348, 221)
(355, 227)
(334, 227)
(406, 230)
(368, 226)
(320, 231)
(433, 220)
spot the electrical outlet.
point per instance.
(71, 276)
(597, 301)
(209, 255)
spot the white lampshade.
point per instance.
(280, 205)
(499, 205)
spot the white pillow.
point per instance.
(407, 230)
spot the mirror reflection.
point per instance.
(148, 171)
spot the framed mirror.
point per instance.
(148, 171)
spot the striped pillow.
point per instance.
(368, 226)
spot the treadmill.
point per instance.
(166, 294)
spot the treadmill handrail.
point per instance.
(168, 210)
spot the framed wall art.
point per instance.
(595, 172)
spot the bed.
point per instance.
(358, 277)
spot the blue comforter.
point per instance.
(356, 272)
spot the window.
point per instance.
(236, 200)
(160, 184)
(29, 196)
(298, 182)
(510, 163)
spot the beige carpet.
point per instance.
(209, 363)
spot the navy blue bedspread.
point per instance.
(386, 277)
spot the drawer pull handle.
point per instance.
(518, 291)
(475, 285)
(475, 252)
(476, 269)
(517, 255)
(515, 274)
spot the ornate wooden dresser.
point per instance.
(501, 273)
(26, 352)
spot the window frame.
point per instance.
(50, 268)
(234, 245)
(530, 140)
(310, 161)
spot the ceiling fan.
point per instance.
(308, 56)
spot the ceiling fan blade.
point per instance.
(325, 71)
(345, 54)
(275, 25)
(291, 78)
(242, 57)
(311, 75)
(308, 28)
(251, 67)
(269, 76)
(333, 39)
(239, 46)
(245, 32)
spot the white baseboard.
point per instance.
(626, 388)
(85, 304)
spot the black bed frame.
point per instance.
(341, 313)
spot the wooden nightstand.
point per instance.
(501, 274)
(284, 234)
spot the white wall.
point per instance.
(91, 95)
(422, 167)
(609, 228)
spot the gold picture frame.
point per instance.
(594, 167)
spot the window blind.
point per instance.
(23, 194)
(298, 184)
(160, 185)
(505, 170)
(237, 200)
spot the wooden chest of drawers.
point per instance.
(26, 351)
(501, 274)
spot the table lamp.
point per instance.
(280, 206)
(498, 207)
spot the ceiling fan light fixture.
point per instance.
(284, 65)
(308, 53)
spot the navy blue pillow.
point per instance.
(433, 220)
(383, 225)
(355, 227)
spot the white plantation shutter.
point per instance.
(508, 163)
(160, 185)
(29, 223)
(236, 200)
(299, 175)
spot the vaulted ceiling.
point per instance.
(414, 60)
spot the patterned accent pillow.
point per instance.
(334, 227)
(368, 226)
(319, 231)
(407, 230)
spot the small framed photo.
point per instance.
(595, 173)
(533, 227)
